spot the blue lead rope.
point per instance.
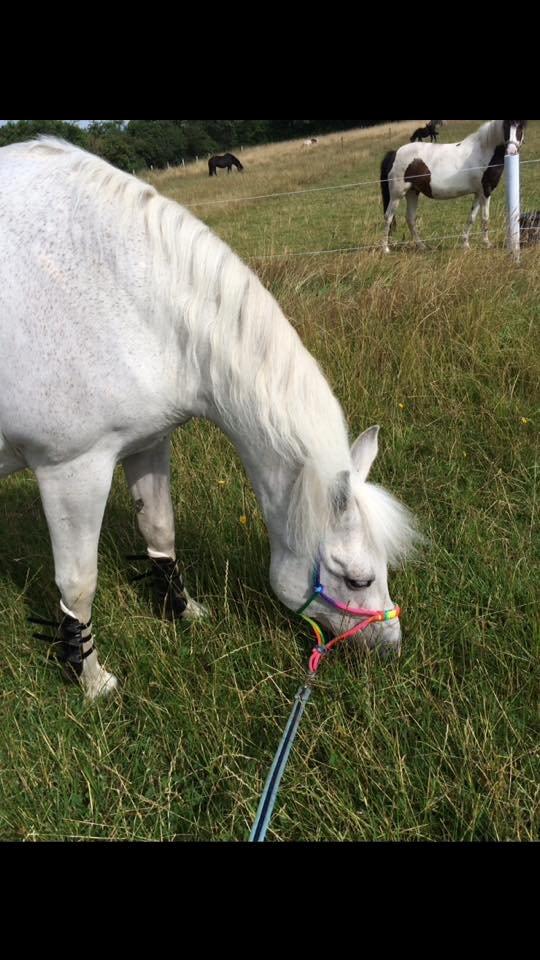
(269, 797)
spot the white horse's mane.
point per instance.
(393, 527)
(485, 133)
(265, 384)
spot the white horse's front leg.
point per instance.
(486, 201)
(412, 207)
(74, 496)
(148, 477)
(472, 219)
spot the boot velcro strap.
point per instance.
(167, 583)
(74, 655)
(72, 643)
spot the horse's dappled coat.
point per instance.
(122, 317)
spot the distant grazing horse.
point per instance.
(445, 171)
(227, 160)
(123, 317)
(430, 130)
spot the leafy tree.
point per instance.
(158, 142)
(20, 130)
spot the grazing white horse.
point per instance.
(121, 318)
(449, 170)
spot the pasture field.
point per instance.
(441, 348)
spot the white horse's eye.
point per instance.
(358, 584)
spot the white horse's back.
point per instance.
(454, 168)
(79, 362)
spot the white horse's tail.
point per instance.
(386, 169)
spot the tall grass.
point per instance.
(441, 349)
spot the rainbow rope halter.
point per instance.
(367, 616)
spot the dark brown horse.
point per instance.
(227, 160)
(430, 130)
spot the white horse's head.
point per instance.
(365, 532)
(514, 134)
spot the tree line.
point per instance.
(142, 144)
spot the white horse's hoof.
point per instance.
(195, 611)
(101, 685)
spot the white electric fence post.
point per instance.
(511, 173)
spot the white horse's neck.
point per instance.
(273, 480)
(269, 396)
(257, 380)
(277, 478)
(489, 136)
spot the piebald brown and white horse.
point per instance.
(449, 170)
(122, 317)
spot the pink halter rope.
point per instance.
(368, 617)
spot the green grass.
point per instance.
(441, 349)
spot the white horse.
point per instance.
(449, 170)
(121, 318)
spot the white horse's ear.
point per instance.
(364, 451)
